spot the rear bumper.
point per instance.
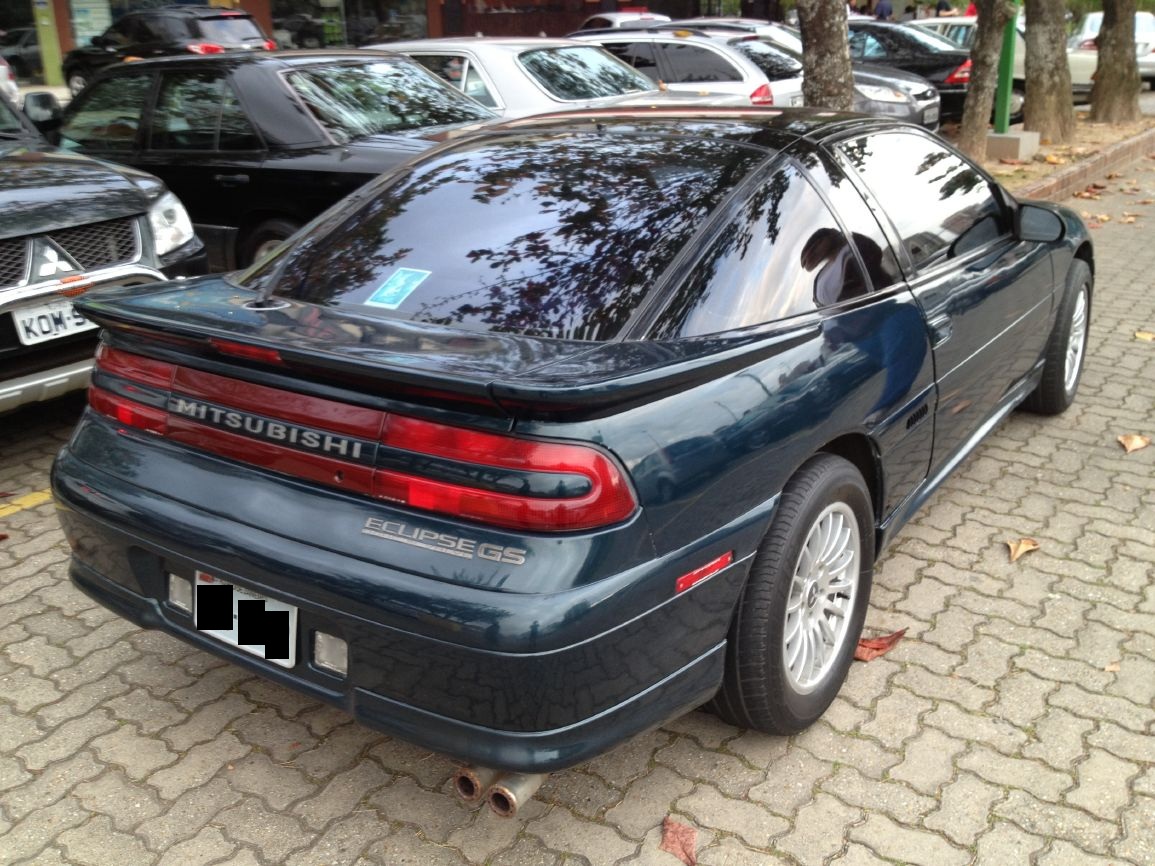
(44, 385)
(480, 691)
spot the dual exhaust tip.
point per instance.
(504, 792)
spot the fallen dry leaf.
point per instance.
(1021, 547)
(1133, 442)
(3, 537)
(1112, 175)
(1127, 220)
(679, 840)
(1087, 194)
(1145, 336)
(1006, 160)
(1103, 217)
(870, 648)
(1112, 668)
(1085, 214)
(1098, 186)
(1051, 159)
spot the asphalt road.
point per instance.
(1014, 724)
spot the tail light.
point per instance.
(1089, 45)
(205, 48)
(762, 96)
(270, 45)
(493, 478)
(962, 75)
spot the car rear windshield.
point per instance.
(548, 235)
(775, 63)
(230, 30)
(582, 72)
(356, 100)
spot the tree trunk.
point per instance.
(828, 79)
(992, 18)
(1049, 109)
(1115, 94)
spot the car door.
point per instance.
(986, 296)
(203, 145)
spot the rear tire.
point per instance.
(1066, 349)
(265, 238)
(800, 615)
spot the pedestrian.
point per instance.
(943, 9)
(884, 11)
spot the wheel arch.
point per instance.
(859, 450)
(1085, 254)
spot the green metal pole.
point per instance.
(1006, 75)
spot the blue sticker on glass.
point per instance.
(400, 285)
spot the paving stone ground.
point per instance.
(1015, 724)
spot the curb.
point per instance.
(1065, 182)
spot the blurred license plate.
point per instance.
(49, 321)
(930, 115)
(247, 620)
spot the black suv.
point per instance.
(169, 30)
(69, 223)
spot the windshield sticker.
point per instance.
(393, 292)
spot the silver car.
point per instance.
(517, 77)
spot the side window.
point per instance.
(445, 66)
(864, 46)
(109, 116)
(192, 109)
(691, 63)
(940, 204)
(475, 87)
(783, 255)
(640, 55)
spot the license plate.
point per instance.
(247, 620)
(930, 115)
(49, 321)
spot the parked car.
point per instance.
(1084, 41)
(531, 75)
(412, 465)
(69, 224)
(8, 86)
(690, 60)
(258, 144)
(21, 49)
(180, 30)
(611, 20)
(940, 61)
(961, 30)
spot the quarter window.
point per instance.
(940, 204)
(782, 255)
(109, 117)
(640, 55)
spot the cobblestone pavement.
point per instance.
(1014, 724)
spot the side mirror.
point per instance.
(1036, 223)
(42, 109)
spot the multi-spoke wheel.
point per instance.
(801, 612)
(265, 238)
(1067, 346)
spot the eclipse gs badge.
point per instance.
(442, 542)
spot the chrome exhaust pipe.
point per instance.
(471, 783)
(511, 791)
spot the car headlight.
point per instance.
(878, 93)
(171, 226)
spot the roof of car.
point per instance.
(194, 12)
(289, 57)
(460, 43)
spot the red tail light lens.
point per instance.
(762, 96)
(244, 350)
(962, 75)
(270, 45)
(1089, 45)
(493, 478)
(205, 48)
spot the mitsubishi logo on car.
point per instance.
(49, 260)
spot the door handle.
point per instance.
(231, 179)
(941, 329)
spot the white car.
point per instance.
(8, 82)
(614, 20)
(1083, 41)
(688, 60)
(520, 76)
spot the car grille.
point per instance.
(93, 246)
(12, 255)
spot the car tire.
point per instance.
(76, 81)
(266, 237)
(819, 549)
(1066, 350)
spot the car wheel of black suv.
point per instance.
(800, 615)
(265, 238)
(1066, 347)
